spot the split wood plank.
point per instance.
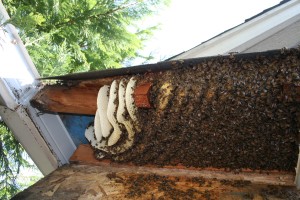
(85, 155)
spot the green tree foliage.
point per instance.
(11, 160)
(66, 36)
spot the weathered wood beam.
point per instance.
(88, 178)
(63, 99)
(112, 182)
(80, 98)
(75, 97)
(84, 155)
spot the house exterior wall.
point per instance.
(284, 36)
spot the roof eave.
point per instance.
(241, 34)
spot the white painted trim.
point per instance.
(44, 137)
(14, 34)
(9, 100)
(231, 39)
(55, 133)
(264, 36)
(27, 134)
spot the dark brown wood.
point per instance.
(81, 97)
(84, 155)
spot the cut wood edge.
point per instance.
(63, 99)
(84, 155)
(142, 95)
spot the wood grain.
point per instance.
(85, 155)
(106, 180)
(80, 98)
(62, 99)
(141, 95)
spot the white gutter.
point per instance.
(44, 137)
(272, 21)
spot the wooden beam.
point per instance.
(81, 97)
(74, 97)
(84, 155)
(108, 180)
(63, 99)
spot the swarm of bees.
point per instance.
(226, 112)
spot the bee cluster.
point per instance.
(225, 112)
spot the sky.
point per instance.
(187, 23)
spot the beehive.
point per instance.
(226, 112)
(224, 119)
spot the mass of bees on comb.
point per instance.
(232, 112)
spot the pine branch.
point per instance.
(86, 16)
(41, 38)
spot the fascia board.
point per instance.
(54, 132)
(237, 36)
(27, 134)
(15, 36)
(8, 99)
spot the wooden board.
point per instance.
(84, 155)
(106, 180)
